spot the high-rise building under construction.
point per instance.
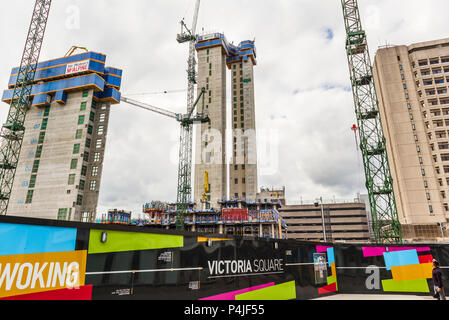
(60, 164)
(214, 54)
(412, 86)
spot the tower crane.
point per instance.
(12, 132)
(379, 183)
(184, 194)
(186, 120)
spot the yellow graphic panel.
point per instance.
(412, 272)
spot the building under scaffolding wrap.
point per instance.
(235, 217)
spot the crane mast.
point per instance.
(13, 130)
(379, 183)
(184, 193)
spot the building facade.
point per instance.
(210, 145)
(214, 54)
(60, 164)
(343, 222)
(243, 166)
(411, 83)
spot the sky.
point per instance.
(304, 105)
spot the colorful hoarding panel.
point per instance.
(44, 259)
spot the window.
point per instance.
(76, 148)
(62, 214)
(97, 156)
(425, 184)
(85, 93)
(82, 183)
(79, 200)
(83, 106)
(405, 86)
(400, 67)
(93, 185)
(38, 151)
(41, 137)
(94, 104)
(236, 181)
(90, 129)
(431, 209)
(79, 134)
(100, 130)
(102, 116)
(103, 106)
(98, 144)
(94, 171)
(86, 156)
(81, 120)
(83, 170)
(35, 166)
(71, 179)
(44, 123)
(92, 116)
(73, 163)
(88, 141)
(423, 172)
(47, 111)
(32, 181)
(29, 197)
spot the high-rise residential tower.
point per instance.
(214, 54)
(412, 87)
(243, 167)
(60, 164)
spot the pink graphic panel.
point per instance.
(418, 249)
(320, 249)
(373, 251)
(231, 295)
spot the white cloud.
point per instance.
(301, 81)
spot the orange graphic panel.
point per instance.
(412, 272)
(39, 272)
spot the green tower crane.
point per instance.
(384, 215)
(13, 130)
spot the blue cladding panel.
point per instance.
(66, 84)
(113, 80)
(78, 57)
(25, 239)
(109, 93)
(58, 71)
(39, 99)
(400, 258)
(61, 96)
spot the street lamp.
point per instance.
(322, 217)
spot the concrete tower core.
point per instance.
(211, 140)
(214, 54)
(243, 167)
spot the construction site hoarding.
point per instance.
(59, 260)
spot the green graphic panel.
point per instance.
(419, 285)
(331, 280)
(127, 241)
(284, 291)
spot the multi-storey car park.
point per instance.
(60, 165)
